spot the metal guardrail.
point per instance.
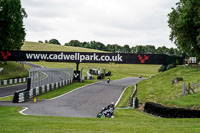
(195, 85)
(132, 96)
(12, 81)
(43, 76)
(24, 95)
(42, 80)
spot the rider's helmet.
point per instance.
(112, 104)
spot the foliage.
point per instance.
(12, 31)
(184, 21)
(54, 41)
(115, 48)
(166, 67)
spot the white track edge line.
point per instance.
(72, 91)
(120, 96)
(22, 111)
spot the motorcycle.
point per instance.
(106, 112)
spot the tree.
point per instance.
(162, 50)
(150, 49)
(184, 21)
(12, 31)
(140, 49)
(74, 43)
(54, 41)
(126, 49)
(46, 41)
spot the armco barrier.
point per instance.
(24, 95)
(169, 112)
(12, 81)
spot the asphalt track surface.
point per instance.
(10, 90)
(83, 102)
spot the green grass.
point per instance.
(13, 70)
(125, 97)
(125, 121)
(65, 89)
(189, 101)
(7, 98)
(118, 70)
(160, 89)
(34, 46)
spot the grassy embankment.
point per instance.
(161, 90)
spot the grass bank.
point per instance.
(161, 90)
(35, 46)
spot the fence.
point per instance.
(44, 80)
(12, 81)
(44, 76)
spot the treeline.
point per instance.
(115, 48)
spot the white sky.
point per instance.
(132, 22)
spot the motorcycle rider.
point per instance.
(107, 111)
(108, 80)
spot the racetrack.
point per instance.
(10, 90)
(83, 102)
(55, 77)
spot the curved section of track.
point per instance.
(84, 102)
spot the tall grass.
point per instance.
(13, 69)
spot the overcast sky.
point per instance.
(132, 22)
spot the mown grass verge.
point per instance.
(126, 121)
(6, 98)
(125, 97)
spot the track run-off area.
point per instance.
(85, 101)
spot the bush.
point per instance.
(166, 67)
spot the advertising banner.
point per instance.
(88, 57)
